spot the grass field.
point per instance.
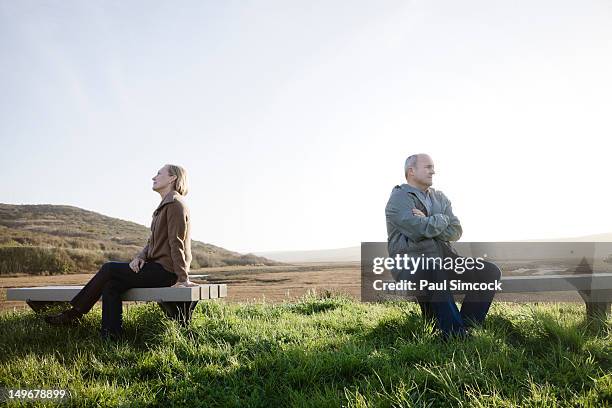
(325, 350)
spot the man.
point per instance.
(421, 223)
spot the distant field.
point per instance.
(273, 284)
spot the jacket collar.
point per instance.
(168, 198)
(408, 188)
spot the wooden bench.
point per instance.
(595, 289)
(586, 268)
(177, 303)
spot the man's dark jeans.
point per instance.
(110, 282)
(440, 304)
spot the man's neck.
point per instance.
(420, 187)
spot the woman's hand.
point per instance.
(185, 284)
(136, 264)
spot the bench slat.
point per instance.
(66, 293)
(555, 283)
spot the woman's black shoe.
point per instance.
(67, 318)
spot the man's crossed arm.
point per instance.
(417, 226)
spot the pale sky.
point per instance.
(294, 118)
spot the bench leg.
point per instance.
(598, 303)
(179, 311)
(602, 310)
(39, 306)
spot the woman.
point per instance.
(164, 261)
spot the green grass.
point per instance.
(323, 351)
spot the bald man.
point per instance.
(421, 223)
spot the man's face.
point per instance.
(423, 171)
(162, 179)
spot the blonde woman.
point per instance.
(164, 261)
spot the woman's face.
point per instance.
(162, 179)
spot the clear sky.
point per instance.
(293, 118)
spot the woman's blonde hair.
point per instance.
(180, 184)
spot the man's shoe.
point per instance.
(67, 318)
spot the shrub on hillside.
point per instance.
(86, 260)
(119, 255)
(35, 260)
(205, 260)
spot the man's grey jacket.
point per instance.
(416, 236)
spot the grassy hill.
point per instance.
(325, 351)
(54, 239)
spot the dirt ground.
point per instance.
(272, 284)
